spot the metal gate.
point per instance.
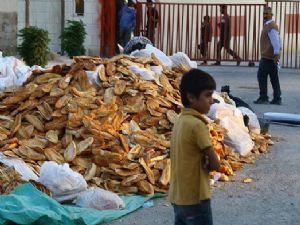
(287, 16)
(178, 28)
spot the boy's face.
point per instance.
(201, 103)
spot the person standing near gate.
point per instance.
(225, 36)
(152, 21)
(206, 36)
(270, 49)
(126, 21)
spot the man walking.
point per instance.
(225, 36)
(269, 62)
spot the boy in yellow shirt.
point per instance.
(192, 155)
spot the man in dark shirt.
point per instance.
(225, 37)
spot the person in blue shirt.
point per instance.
(269, 63)
(126, 21)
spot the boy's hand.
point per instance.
(211, 159)
(205, 162)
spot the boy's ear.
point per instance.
(190, 97)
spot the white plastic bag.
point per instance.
(13, 72)
(139, 53)
(222, 110)
(64, 183)
(217, 96)
(7, 77)
(157, 70)
(145, 73)
(232, 119)
(164, 59)
(180, 59)
(236, 137)
(22, 73)
(100, 199)
(253, 120)
(20, 166)
(94, 77)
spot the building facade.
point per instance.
(8, 26)
(53, 16)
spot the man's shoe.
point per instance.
(261, 101)
(216, 63)
(203, 64)
(276, 102)
(251, 64)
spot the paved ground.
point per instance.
(274, 196)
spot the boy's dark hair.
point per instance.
(194, 82)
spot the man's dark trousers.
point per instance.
(268, 67)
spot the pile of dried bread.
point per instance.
(116, 135)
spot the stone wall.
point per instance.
(8, 27)
(91, 19)
(47, 15)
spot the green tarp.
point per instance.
(27, 205)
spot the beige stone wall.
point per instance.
(46, 14)
(8, 5)
(8, 26)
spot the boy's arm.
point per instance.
(213, 162)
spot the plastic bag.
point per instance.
(253, 120)
(222, 110)
(164, 59)
(100, 199)
(139, 53)
(94, 77)
(64, 183)
(181, 60)
(7, 77)
(217, 96)
(231, 118)
(236, 137)
(22, 73)
(20, 166)
(157, 69)
(13, 72)
(145, 73)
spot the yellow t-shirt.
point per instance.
(189, 180)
